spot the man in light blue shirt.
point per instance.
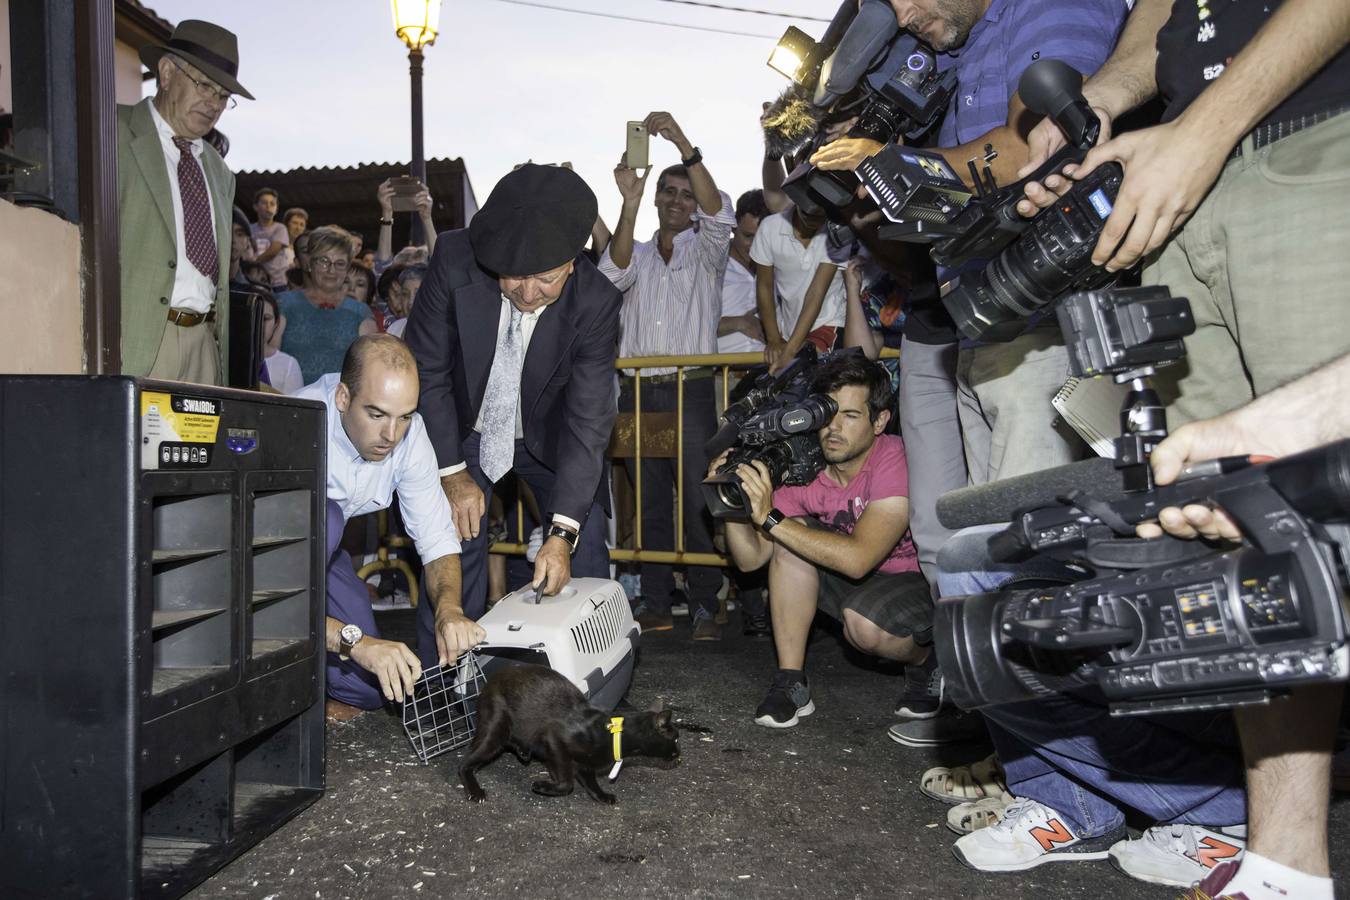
(377, 445)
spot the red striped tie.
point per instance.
(197, 230)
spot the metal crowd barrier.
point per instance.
(726, 363)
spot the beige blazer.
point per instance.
(148, 238)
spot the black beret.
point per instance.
(535, 219)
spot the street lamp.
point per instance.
(416, 22)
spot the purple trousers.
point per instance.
(349, 603)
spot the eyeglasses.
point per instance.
(323, 264)
(207, 90)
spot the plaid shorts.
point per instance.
(900, 604)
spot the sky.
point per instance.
(503, 83)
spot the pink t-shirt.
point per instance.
(884, 474)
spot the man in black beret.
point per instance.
(515, 335)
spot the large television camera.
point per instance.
(775, 422)
(1158, 625)
(863, 67)
(1031, 262)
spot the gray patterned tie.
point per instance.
(497, 450)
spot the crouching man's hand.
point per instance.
(392, 663)
(456, 633)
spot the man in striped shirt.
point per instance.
(672, 304)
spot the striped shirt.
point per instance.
(673, 309)
(1012, 35)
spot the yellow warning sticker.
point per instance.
(189, 420)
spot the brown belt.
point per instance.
(184, 319)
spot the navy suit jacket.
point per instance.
(567, 383)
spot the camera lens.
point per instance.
(731, 496)
(1051, 256)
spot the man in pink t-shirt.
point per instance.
(841, 545)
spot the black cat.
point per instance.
(536, 713)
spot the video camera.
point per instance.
(864, 67)
(1158, 625)
(775, 422)
(1032, 262)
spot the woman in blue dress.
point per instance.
(321, 320)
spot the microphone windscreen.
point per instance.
(997, 501)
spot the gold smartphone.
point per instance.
(636, 154)
(406, 189)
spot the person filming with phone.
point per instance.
(402, 193)
(672, 305)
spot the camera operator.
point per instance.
(1248, 175)
(1005, 417)
(840, 544)
(1287, 744)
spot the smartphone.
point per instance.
(637, 145)
(406, 188)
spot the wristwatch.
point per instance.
(772, 519)
(566, 534)
(349, 637)
(695, 159)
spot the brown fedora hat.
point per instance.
(212, 49)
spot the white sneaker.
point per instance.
(1178, 855)
(1028, 835)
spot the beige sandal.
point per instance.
(967, 817)
(965, 784)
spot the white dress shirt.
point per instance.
(192, 291)
(738, 299)
(360, 486)
(672, 309)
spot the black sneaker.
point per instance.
(756, 625)
(788, 698)
(922, 696)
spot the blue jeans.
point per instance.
(591, 559)
(964, 566)
(1069, 753)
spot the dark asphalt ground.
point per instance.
(828, 809)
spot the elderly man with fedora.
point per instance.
(515, 334)
(175, 196)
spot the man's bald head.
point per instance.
(384, 352)
(377, 395)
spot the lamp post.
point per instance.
(416, 22)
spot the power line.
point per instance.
(601, 15)
(758, 12)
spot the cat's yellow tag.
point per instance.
(616, 729)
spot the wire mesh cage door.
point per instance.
(442, 712)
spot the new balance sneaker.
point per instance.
(1029, 834)
(922, 696)
(788, 699)
(1178, 855)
